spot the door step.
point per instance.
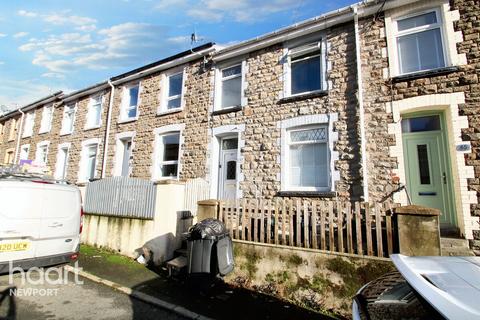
(455, 247)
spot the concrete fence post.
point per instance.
(418, 230)
(207, 209)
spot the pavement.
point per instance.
(201, 298)
(72, 300)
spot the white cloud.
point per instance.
(2, 35)
(239, 10)
(25, 13)
(53, 75)
(123, 45)
(169, 4)
(2, 62)
(20, 34)
(63, 18)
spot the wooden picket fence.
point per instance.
(339, 226)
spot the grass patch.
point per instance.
(109, 256)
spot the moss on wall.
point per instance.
(317, 281)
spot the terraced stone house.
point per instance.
(348, 105)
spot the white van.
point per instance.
(40, 222)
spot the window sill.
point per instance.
(163, 113)
(425, 74)
(299, 97)
(227, 110)
(42, 132)
(127, 120)
(307, 194)
(65, 133)
(92, 128)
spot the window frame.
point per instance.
(82, 172)
(158, 133)
(22, 147)
(438, 25)
(31, 124)
(165, 88)
(88, 123)
(161, 151)
(218, 92)
(72, 126)
(42, 144)
(61, 147)
(288, 142)
(13, 130)
(124, 109)
(315, 46)
(119, 151)
(46, 124)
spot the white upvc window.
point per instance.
(46, 123)
(94, 114)
(68, 119)
(172, 91)
(419, 42)
(29, 122)
(130, 101)
(167, 155)
(62, 161)
(305, 69)
(89, 159)
(230, 86)
(307, 159)
(123, 153)
(24, 150)
(41, 156)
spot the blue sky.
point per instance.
(52, 45)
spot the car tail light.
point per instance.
(74, 256)
(81, 219)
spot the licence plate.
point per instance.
(15, 246)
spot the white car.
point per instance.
(424, 288)
(40, 222)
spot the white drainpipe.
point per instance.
(19, 133)
(360, 108)
(107, 131)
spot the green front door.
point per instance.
(427, 166)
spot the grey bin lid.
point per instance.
(225, 256)
(207, 229)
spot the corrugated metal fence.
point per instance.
(195, 190)
(121, 197)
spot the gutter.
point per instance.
(193, 56)
(107, 131)
(19, 134)
(361, 110)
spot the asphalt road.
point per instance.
(71, 300)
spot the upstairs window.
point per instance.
(12, 133)
(229, 86)
(46, 123)
(94, 115)
(419, 42)
(174, 98)
(68, 119)
(130, 103)
(29, 121)
(305, 69)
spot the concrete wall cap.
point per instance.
(209, 202)
(415, 210)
